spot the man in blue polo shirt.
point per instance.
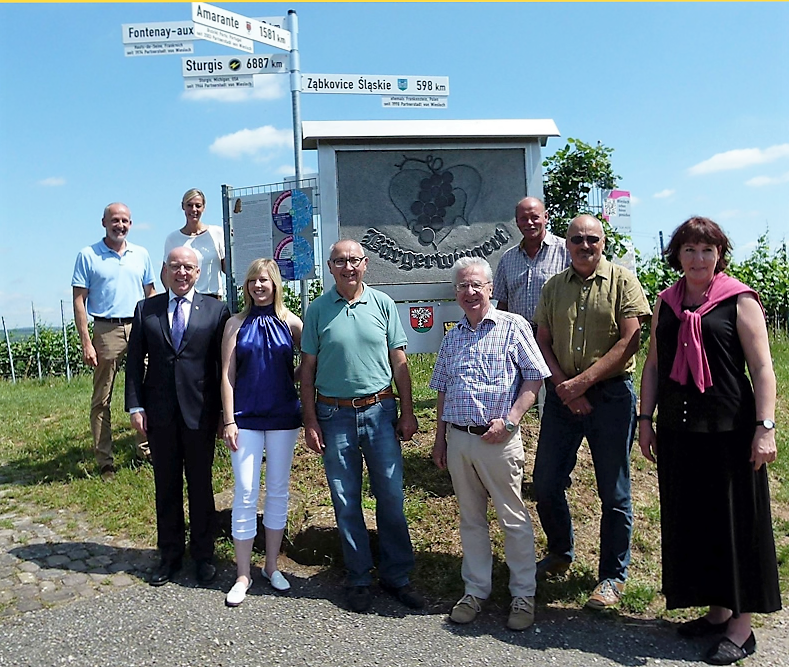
(110, 277)
(352, 346)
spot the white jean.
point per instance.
(247, 461)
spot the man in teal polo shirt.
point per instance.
(352, 346)
(110, 277)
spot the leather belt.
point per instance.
(114, 320)
(474, 430)
(359, 402)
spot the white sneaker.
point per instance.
(277, 581)
(237, 594)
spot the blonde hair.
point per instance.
(257, 267)
(190, 194)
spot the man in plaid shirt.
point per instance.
(488, 372)
(523, 269)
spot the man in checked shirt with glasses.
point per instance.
(488, 372)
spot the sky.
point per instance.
(693, 97)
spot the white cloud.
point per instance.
(663, 194)
(285, 170)
(737, 159)
(53, 181)
(761, 181)
(255, 143)
(735, 213)
(635, 201)
(267, 87)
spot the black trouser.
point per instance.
(175, 450)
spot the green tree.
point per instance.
(572, 176)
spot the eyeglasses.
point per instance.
(578, 239)
(475, 286)
(340, 262)
(175, 266)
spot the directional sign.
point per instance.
(376, 84)
(212, 82)
(241, 26)
(233, 65)
(160, 33)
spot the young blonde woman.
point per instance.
(261, 413)
(207, 242)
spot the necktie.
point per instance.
(178, 322)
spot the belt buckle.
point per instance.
(361, 398)
(468, 429)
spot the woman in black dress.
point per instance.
(714, 434)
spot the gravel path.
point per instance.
(82, 601)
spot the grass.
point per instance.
(45, 451)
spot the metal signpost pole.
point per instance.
(295, 93)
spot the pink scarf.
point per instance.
(690, 345)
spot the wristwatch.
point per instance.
(769, 424)
(510, 426)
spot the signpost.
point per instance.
(376, 84)
(207, 17)
(239, 32)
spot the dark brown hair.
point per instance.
(698, 230)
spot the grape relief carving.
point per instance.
(434, 200)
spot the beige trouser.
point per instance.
(479, 470)
(110, 342)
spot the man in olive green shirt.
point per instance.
(588, 329)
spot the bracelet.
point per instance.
(229, 423)
(645, 418)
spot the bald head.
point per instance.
(531, 220)
(585, 221)
(182, 270)
(585, 242)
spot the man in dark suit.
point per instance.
(177, 404)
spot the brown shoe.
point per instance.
(465, 610)
(107, 473)
(521, 613)
(606, 594)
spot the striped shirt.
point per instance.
(519, 278)
(481, 371)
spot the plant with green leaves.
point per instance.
(51, 351)
(768, 274)
(573, 174)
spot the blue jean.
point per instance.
(348, 435)
(609, 430)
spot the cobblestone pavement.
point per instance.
(55, 557)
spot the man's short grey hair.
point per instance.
(469, 262)
(336, 243)
(110, 205)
